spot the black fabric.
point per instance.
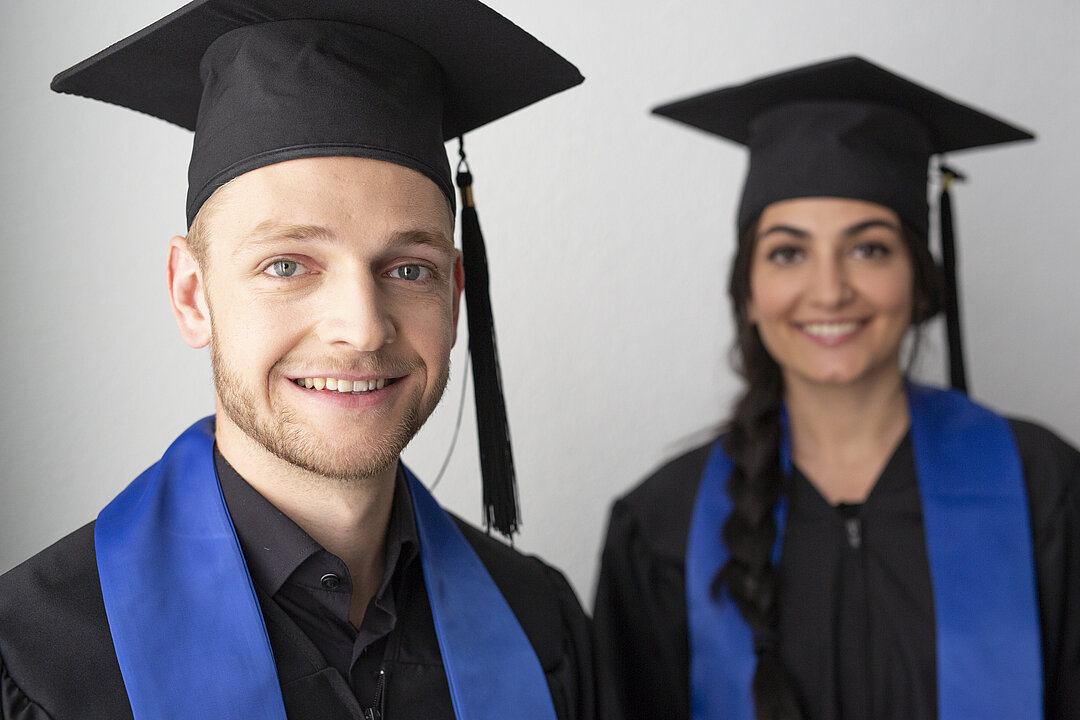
(845, 128)
(640, 612)
(838, 148)
(313, 586)
(57, 660)
(311, 88)
(334, 77)
(861, 627)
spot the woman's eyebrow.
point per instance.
(869, 224)
(784, 230)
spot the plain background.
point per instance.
(609, 235)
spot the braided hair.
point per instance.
(756, 482)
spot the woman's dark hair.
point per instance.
(756, 482)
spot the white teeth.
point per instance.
(342, 386)
(830, 330)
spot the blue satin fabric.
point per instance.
(982, 563)
(493, 670)
(185, 621)
(978, 539)
(187, 627)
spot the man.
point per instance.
(279, 561)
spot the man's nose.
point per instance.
(356, 313)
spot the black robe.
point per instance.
(57, 659)
(855, 602)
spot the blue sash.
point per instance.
(189, 633)
(978, 539)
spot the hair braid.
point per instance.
(756, 482)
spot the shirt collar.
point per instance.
(274, 546)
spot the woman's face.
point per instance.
(831, 290)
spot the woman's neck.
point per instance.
(842, 436)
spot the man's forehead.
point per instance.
(324, 197)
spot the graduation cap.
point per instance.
(264, 81)
(849, 128)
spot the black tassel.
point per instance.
(496, 457)
(957, 374)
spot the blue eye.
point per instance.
(285, 268)
(410, 272)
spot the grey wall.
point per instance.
(609, 235)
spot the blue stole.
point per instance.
(189, 633)
(978, 539)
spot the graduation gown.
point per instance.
(855, 601)
(57, 659)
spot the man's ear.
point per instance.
(187, 294)
(459, 285)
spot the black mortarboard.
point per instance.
(264, 81)
(847, 128)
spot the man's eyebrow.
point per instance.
(424, 237)
(270, 231)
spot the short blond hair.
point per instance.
(198, 234)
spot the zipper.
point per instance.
(377, 711)
(854, 532)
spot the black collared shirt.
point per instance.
(313, 586)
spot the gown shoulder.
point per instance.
(56, 654)
(659, 508)
(1052, 473)
(640, 609)
(551, 615)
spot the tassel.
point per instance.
(957, 374)
(496, 457)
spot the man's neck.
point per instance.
(348, 518)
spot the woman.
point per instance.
(853, 546)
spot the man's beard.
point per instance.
(284, 433)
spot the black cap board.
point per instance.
(261, 81)
(264, 81)
(842, 128)
(849, 128)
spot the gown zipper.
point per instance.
(377, 711)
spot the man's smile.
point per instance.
(341, 385)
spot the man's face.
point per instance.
(332, 286)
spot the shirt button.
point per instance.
(330, 581)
